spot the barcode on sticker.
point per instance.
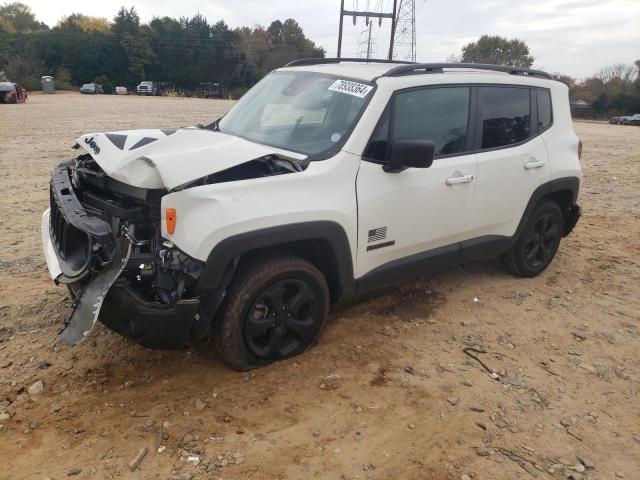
(351, 88)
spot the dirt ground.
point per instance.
(387, 394)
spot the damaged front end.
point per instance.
(109, 250)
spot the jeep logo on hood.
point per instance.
(92, 145)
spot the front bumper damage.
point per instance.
(104, 272)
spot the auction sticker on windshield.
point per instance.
(351, 88)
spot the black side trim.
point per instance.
(117, 139)
(234, 247)
(415, 265)
(380, 245)
(169, 131)
(489, 246)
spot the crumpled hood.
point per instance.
(168, 158)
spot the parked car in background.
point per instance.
(122, 91)
(210, 90)
(146, 88)
(91, 88)
(12, 93)
(165, 88)
(626, 120)
(631, 120)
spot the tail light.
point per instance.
(170, 217)
(580, 150)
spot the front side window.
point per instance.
(437, 114)
(303, 112)
(505, 115)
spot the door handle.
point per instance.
(533, 163)
(459, 179)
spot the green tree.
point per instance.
(86, 23)
(185, 51)
(18, 17)
(497, 50)
(126, 21)
(568, 81)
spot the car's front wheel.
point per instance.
(276, 308)
(538, 243)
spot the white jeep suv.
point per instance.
(328, 179)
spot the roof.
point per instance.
(370, 70)
(366, 71)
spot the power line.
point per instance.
(367, 15)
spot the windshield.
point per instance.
(303, 112)
(6, 87)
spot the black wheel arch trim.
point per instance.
(572, 211)
(228, 251)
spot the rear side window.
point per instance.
(505, 115)
(544, 110)
(437, 114)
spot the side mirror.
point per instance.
(410, 154)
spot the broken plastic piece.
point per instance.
(87, 306)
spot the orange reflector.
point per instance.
(170, 217)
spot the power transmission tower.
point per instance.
(404, 38)
(368, 16)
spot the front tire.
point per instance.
(538, 243)
(276, 308)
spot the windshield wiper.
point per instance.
(213, 126)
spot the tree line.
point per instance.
(125, 51)
(613, 90)
(189, 51)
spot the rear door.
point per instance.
(419, 209)
(512, 157)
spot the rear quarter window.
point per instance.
(545, 115)
(505, 115)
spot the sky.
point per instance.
(575, 37)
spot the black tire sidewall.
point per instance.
(250, 282)
(547, 206)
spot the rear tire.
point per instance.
(537, 245)
(275, 309)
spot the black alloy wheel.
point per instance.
(539, 241)
(282, 319)
(275, 308)
(542, 243)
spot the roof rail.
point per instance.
(422, 68)
(323, 61)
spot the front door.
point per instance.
(417, 210)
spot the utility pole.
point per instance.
(368, 15)
(369, 42)
(393, 29)
(340, 30)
